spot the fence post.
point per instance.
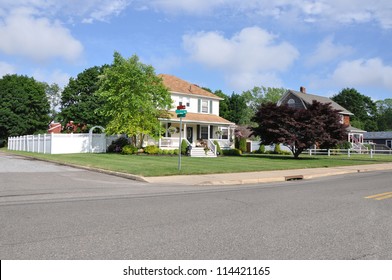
(38, 142)
(329, 152)
(348, 153)
(310, 152)
(371, 153)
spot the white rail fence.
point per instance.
(61, 143)
(349, 152)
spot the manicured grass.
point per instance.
(168, 165)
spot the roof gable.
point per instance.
(308, 99)
(177, 85)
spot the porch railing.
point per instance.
(171, 142)
(224, 144)
(211, 146)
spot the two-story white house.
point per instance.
(202, 123)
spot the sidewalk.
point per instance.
(244, 177)
(264, 176)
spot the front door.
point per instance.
(189, 134)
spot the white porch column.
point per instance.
(185, 136)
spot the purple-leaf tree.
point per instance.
(299, 129)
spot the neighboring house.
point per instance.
(54, 127)
(379, 140)
(202, 124)
(301, 99)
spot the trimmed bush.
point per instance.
(184, 145)
(218, 148)
(261, 149)
(151, 150)
(129, 150)
(277, 149)
(232, 152)
(242, 145)
(118, 145)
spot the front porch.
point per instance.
(355, 137)
(199, 136)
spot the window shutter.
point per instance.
(199, 106)
(210, 106)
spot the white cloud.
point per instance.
(327, 51)
(358, 73)
(56, 76)
(248, 56)
(6, 68)
(86, 10)
(372, 72)
(190, 6)
(106, 9)
(325, 11)
(37, 38)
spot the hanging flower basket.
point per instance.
(173, 130)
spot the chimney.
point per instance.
(302, 89)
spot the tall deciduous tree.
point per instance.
(53, 93)
(79, 100)
(134, 98)
(299, 129)
(384, 118)
(363, 108)
(258, 95)
(24, 107)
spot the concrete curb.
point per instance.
(237, 178)
(93, 169)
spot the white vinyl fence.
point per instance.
(61, 143)
(349, 152)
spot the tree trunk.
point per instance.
(297, 153)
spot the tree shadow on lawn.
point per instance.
(277, 157)
(287, 157)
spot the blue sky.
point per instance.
(232, 45)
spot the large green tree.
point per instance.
(259, 95)
(363, 108)
(135, 98)
(223, 104)
(79, 100)
(299, 129)
(24, 108)
(384, 117)
(53, 93)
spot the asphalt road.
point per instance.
(56, 212)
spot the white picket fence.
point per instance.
(56, 143)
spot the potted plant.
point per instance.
(206, 149)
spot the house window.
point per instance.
(225, 133)
(389, 143)
(291, 102)
(204, 132)
(204, 106)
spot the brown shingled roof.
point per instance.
(201, 118)
(175, 84)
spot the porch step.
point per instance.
(199, 152)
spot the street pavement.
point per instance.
(50, 211)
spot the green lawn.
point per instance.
(166, 165)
